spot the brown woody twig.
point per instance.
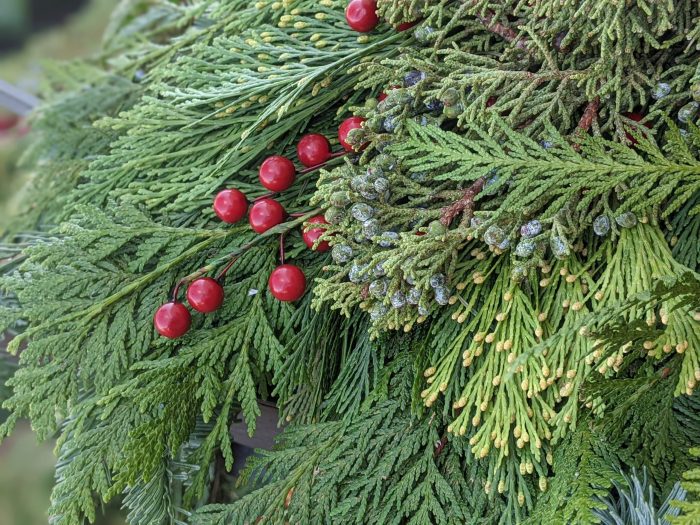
(502, 30)
(464, 205)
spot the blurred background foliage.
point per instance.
(33, 33)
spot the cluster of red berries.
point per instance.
(287, 282)
(361, 16)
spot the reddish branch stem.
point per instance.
(282, 248)
(440, 446)
(589, 115)
(502, 30)
(464, 205)
(226, 268)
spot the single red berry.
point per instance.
(346, 127)
(287, 283)
(172, 320)
(362, 15)
(637, 117)
(311, 235)
(313, 149)
(230, 205)
(406, 25)
(205, 295)
(265, 214)
(277, 173)
(491, 101)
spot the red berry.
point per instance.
(230, 205)
(277, 173)
(311, 235)
(346, 127)
(362, 15)
(265, 214)
(205, 295)
(313, 149)
(406, 25)
(287, 283)
(172, 320)
(491, 101)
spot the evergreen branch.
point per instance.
(464, 205)
(502, 30)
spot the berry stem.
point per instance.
(230, 258)
(226, 268)
(310, 169)
(265, 196)
(282, 248)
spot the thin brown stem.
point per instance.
(281, 248)
(230, 258)
(503, 31)
(464, 205)
(440, 446)
(590, 114)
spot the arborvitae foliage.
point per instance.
(509, 315)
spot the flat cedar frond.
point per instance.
(506, 319)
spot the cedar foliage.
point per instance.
(452, 361)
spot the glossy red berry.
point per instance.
(346, 127)
(406, 25)
(287, 283)
(311, 234)
(313, 149)
(277, 173)
(230, 205)
(362, 15)
(265, 214)
(172, 320)
(205, 295)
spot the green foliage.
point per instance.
(545, 364)
(690, 510)
(584, 467)
(327, 475)
(634, 503)
(542, 181)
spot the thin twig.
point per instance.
(503, 31)
(590, 114)
(440, 446)
(464, 205)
